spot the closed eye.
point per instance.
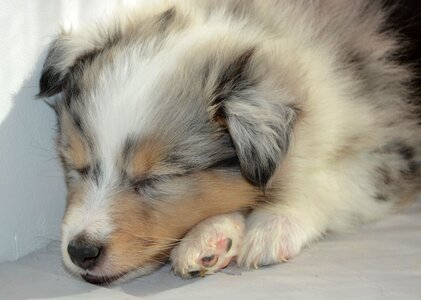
(149, 182)
(148, 185)
(84, 171)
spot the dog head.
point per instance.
(162, 121)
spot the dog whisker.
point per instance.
(297, 114)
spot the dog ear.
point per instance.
(66, 51)
(260, 125)
(54, 72)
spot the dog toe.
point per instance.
(208, 247)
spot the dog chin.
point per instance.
(99, 277)
(111, 279)
(105, 279)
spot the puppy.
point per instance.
(258, 126)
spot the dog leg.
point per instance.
(274, 237)
(209, 246)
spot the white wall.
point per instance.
(32, 193)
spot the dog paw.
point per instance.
(209, 246)
(271, 239)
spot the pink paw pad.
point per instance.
(215, 261)
(209, 247)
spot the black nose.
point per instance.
(84, 255)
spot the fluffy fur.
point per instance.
(297, 111)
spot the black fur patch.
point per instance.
(96, 172)
(233, 78)
(405, 18)
(54, 81)
(260, 175)
(227, 163)
(84, 172)
(51, 83)
(166, 18)
(381, 197)
(86, 59)
(77, 121)
(230, 162)
(412, 171)
(405, 151)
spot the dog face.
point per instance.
(160, 126)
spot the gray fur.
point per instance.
(303, 102)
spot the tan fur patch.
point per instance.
(145, 230)
(148, 155)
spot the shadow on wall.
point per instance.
(33, 170)
(32, 189)
(32, 193)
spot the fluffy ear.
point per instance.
(260, 125)
(53, 75)
(64, 53)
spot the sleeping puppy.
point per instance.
(250, 128)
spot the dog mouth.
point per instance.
(101, 280)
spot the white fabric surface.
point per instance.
(377, 261)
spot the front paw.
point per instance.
(271, 238)
(209, 247)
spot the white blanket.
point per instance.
(377, 261)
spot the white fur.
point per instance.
(202, 241)
(326, 180)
